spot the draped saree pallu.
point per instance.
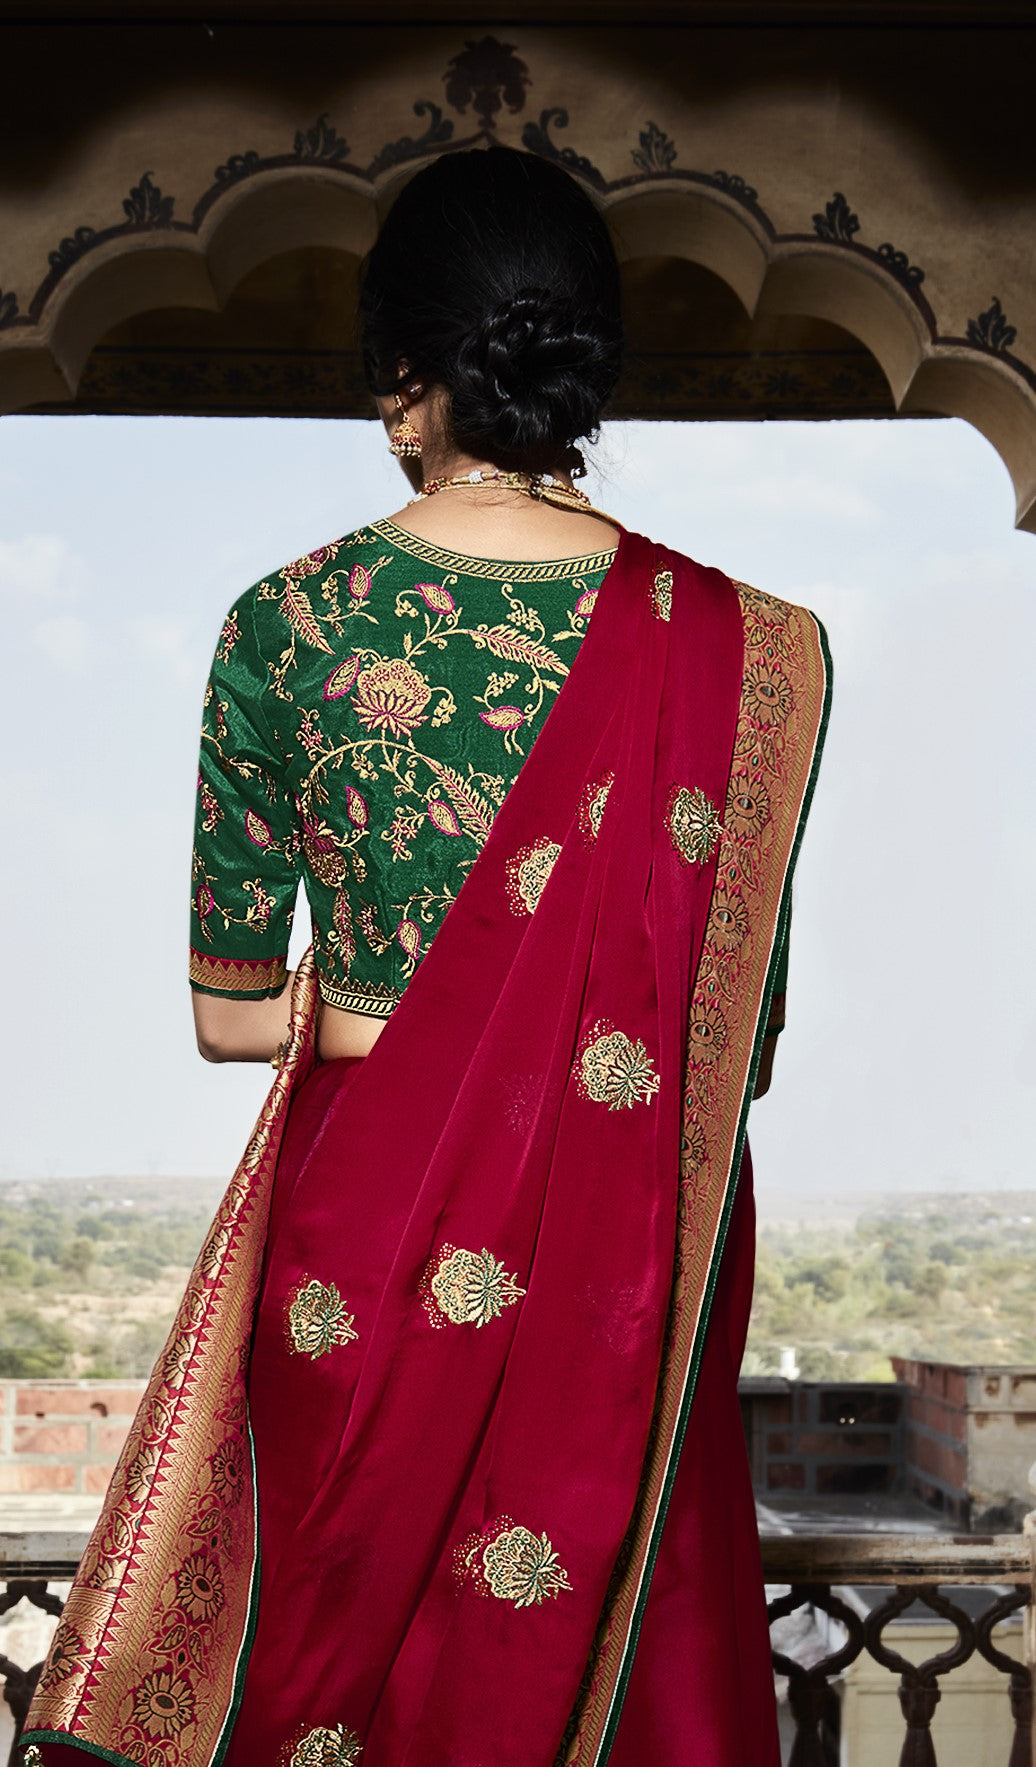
(446, 1381)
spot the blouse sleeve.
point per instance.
(244, 877)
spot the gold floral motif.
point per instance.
(163, 1704)
(32, 1756)
(591, 807)
(66, 1649)
(391, 695)
(614, 1069)
(523, 1568)
(728, 920)
(467, 1288)
(527, 874)
(693, 824)
(766, 693)
(662, 595)
(199, 1587)
(748, 806)
(323, 1747)
(707, 1032)
(317, 1320)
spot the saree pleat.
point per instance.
(471, 1320)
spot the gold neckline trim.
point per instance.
(499, 570)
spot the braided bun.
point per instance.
(494, 275)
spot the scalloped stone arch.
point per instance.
(286, 208)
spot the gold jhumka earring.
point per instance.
(406, 439)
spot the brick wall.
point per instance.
(970, 1440)
(821, 1439)
(61, 1435)
(936, 1396)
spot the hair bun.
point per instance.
(525, 339)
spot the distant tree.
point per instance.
(32, 1348)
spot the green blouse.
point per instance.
(368, 708)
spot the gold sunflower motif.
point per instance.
(522, 1568)
(615, 1070)
(693, 824)
(65, 1650)
(469, 1288)
(199, 1587)
(748, 806)
(662, 595)
(728, 920)
(318, 1320)
(767, 693)
(228, 1469)
(707, 1033)
(323, 1747)
(527, 874)
(163, 1704)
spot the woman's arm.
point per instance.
(241, 1030)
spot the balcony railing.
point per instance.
(821, 1572)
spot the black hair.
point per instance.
(494, 276)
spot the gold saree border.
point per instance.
(782, 721)
(147, 1664)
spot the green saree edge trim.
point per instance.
(63, 1737)
(780, 933)
(251, 1620)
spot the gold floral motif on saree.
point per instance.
(693, 825)
(317, 1319)
(326, 1747)
(662, 595)
(614, 1069)
(467, 1288)
(163, 1704)
(527, 874)
(66, 1650)
(591, 807)
(511, 1562)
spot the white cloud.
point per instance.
(67, 640)
(167, 641)
(41, 568)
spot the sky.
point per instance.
(909, 1062)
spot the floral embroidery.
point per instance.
(748, 805)
(66, 1650)
(199, 1587)
(391, 696)
(662, 595)
(693, 824)
(707, 1032)
(728, 920)
(591, 807)
(467, 1288)
(767, 693)
(229, 636)
(614, 1069)
(527, 874)
(336, 1747)
(163, 1704)
(317, 1320)
(32, 1756)
(367, 724)
(512, 1563)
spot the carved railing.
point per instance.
(928, 1569)
(923, 1568)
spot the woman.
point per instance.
(407, 1485)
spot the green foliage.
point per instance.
(926, 1277)
(32, 1348)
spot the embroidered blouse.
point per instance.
(369, 707)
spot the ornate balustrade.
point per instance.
(824, 1573)
(829, 1573)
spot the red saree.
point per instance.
(446, 1380)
